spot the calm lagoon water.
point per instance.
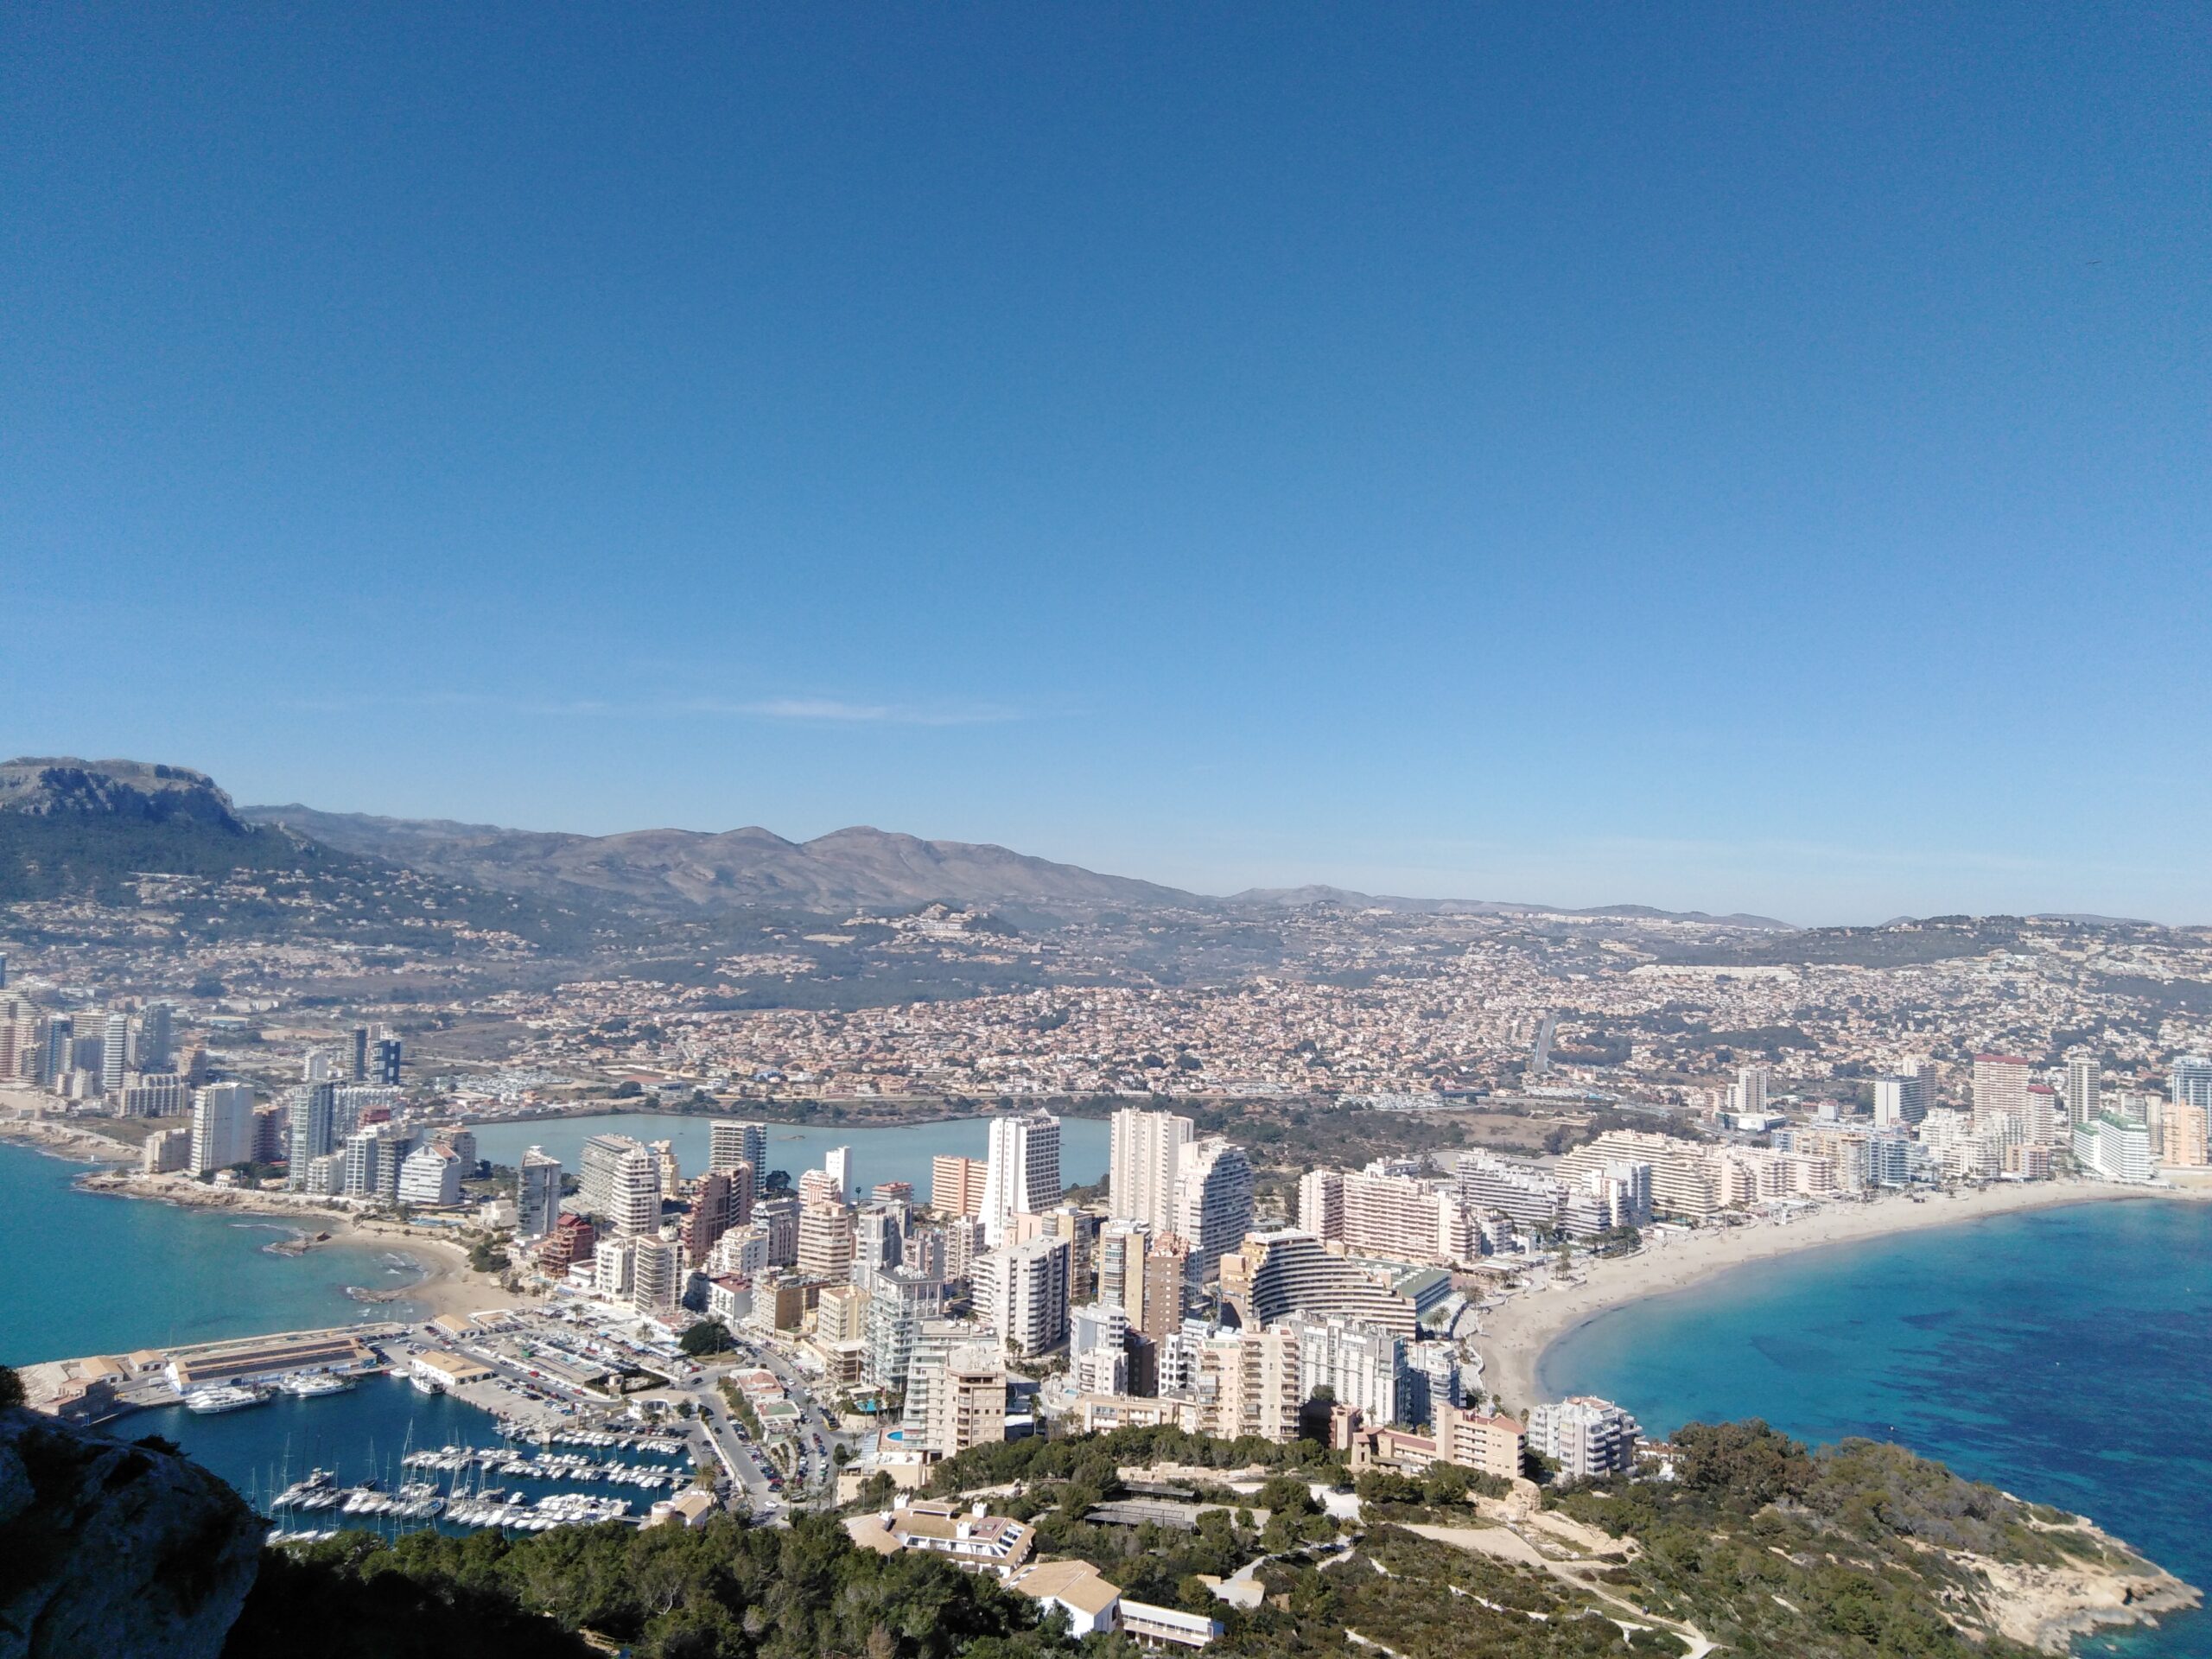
(91, 1273)
(901, 1154)
(2064, 1355)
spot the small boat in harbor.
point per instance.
(312, 1385)
(223, 1397)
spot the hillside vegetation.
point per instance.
(1758, 1544)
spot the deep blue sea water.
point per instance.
(901, 1154)
(90, 1274)
(2064, 1355)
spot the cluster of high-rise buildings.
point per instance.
(329, 1131)
(126, 1059)
(1160, 1304)
(1164, 1301)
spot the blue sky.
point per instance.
(1733, 457)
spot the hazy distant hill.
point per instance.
(685, 868)
(77, 829)
(1297, 897)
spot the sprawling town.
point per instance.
(1552, 1099)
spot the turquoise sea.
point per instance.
(2064, 1355)
(91, 1273)
(878, 1154)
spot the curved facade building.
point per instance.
(1274, 1274)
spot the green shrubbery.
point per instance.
(722, 1589)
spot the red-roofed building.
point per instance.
(571, 1241)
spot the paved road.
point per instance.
(811, 1475)
(736, 1454)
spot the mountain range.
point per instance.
(683, 869)
(52, 809)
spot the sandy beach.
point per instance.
(450, 1284)
(1515, 1334)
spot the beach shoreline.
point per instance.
(448, 1285)
(1516, 1335)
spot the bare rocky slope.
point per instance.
(108, 1547)
(60, 786)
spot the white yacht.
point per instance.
(223, 1397)
(312, 1385)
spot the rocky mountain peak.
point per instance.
(50, 787)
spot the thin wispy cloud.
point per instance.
(838, 711)
(815, 709)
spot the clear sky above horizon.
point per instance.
(1745, 458)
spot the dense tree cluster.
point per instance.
(723, 1591)
(1036, 1459)
(704, 1338)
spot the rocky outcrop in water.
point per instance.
(112, 1548)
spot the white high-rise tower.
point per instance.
(1148, 1148)
(1023, 1174)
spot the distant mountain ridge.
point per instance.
(698, 869)
(856, 866)
(65, 821)
(77, 829)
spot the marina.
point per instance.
(377, 1455)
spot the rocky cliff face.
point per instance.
(111, 1548)
(119, 788)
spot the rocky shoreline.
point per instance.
(63, 1139)
(2051, 1608)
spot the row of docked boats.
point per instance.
(596, 1440)
(451, 1459)
(415, 1500)
(235, 1396)
(514, 1511)
(418, 1500)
